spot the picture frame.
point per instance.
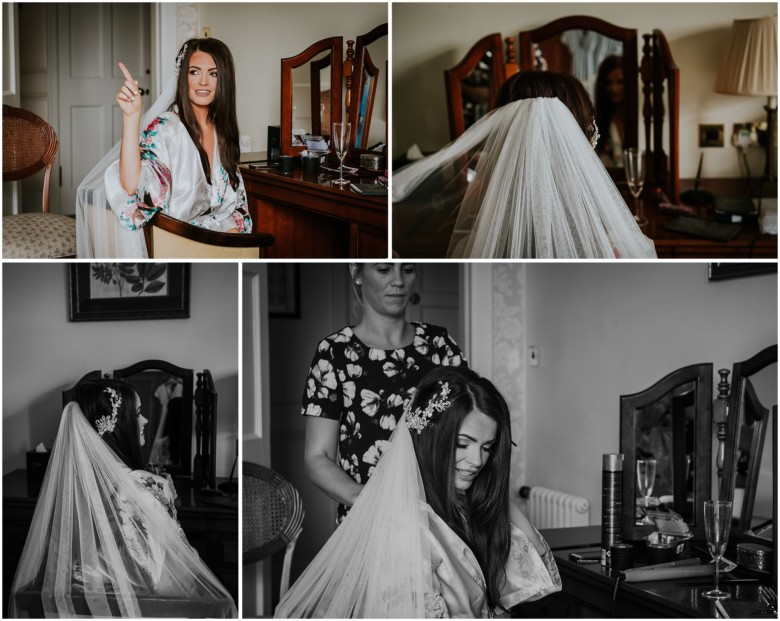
(284, 298)
(129, 291)
(725, 271)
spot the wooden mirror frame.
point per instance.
(453, 77)
(185, 469)
(362, 61)
(741, 373)
(661, 98)
(627, 36)
(336, 46)
(701, 376)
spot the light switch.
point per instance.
(533, 355)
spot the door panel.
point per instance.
(92, 38)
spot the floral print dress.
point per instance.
(367, 389)
(172, 176)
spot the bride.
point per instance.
(433, 534)
(185, 163)
(525, 182)
(104, 540)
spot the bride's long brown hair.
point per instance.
(222, 112)
(95, 402)
(485, 507)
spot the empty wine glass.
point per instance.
(634, 165)
(340, 141)
(645, 478)
(717, 524)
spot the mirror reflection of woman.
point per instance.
(104, 540)
(434, 534)
(185, 163)
(610, 112)
(361, 378)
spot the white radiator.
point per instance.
(549, 508)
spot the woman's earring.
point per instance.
(358, 282)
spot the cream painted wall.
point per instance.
(429, 38)
(44, 353)
(261, 34)
(609, 330)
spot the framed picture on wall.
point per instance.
(129, 291)
(723, 271)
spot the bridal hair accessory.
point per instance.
(179, 58)
(107, 423)
(594, 139)
(419, 418)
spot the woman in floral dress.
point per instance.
(434, 534)
(186, 164)
(363, 376)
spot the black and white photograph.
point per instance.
(120, 446)
(475, 439)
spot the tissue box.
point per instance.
(36, 466)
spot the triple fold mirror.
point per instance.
(317, 81)
(604, 57)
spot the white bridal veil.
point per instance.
(102, 546)
(525, 182)
(99, 235)
(378, 562)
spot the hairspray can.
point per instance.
(611, 503)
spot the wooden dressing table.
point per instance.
(588, 590)
(311, 217)
(212, 529)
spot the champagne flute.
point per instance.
(340, 138)
(645, 477)
(717, 524)
(634, 165)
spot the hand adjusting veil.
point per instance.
(101, 546)
(98, 231)
(526, 182)
(378, 562)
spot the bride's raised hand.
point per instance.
(129, 96)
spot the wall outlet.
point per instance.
(744, 135)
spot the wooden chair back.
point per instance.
(169, 238)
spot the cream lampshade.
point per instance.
(749, 67)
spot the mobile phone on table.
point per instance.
(585, 557)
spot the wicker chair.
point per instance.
(29, 146)
(273, 517)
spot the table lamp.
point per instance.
(749, 67)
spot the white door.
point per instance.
(92, 38)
